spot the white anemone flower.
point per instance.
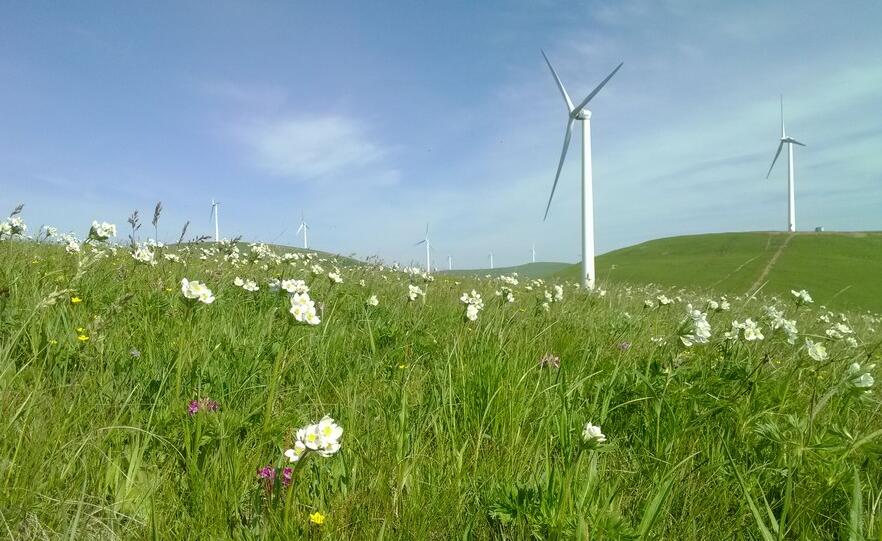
(592, 434)
(816, 350)
(102, 231)
(372, 301)
(196, 291)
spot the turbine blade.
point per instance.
(299, 229)
(596, 90)
(420, 242)
(560, 86)
(778, 153)
(794, 141)
(563, 156)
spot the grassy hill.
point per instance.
(528, 270)
(842, 270)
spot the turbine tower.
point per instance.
(428, 244)
(449, 262)
(303, 229)
(791, 198)
(214, 207)
(491, 260)
(582, 114)
(534, 252)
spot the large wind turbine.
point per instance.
(491, 260)
(579, 112)
(449, 262)
(214, 207)
(534, 252)
(303, 229)
(791, 199)
(428, 244)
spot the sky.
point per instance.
(376, 118)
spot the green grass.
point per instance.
(452, 430)
(527, 270)
(842, 270)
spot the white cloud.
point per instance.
(308, 148)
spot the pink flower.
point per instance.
(205, 404)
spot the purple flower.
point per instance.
(205, 404)
(625, 346)
(268, 474)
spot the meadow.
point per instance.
(135, 406)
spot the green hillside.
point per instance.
(842, 270)
(529, 270)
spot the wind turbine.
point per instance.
(791, 199)
(303, 229)
(449, 262)
(214, 207)
(491, 260)
(579, 112)
(428, 244)
(534, 252)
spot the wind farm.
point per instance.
(650, 348)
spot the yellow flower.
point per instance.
(53, 342)
(82, 338)
(169, 290)
(317, 518)
(75, 300)
(402, 366)
(81, 330)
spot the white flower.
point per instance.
(802, 296)
(322, 438)
(472, 312)
(196, 291)
(143, 254)
(816, 350)
(294, 286)
(663, 300)
(864, 381)
(14, 225)
(700, 328)
(73, 247)
(297, 452)
(751, 330)
(558, 293)
(238, 281)
(335, 277)
(102, 231)
(174, 258)
(372, 301)
(592, 434)
(250, 285)
(414, 291)
(648, 304)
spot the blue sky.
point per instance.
(375, 118)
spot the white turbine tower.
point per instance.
(791, 198)
(491, 260)
(428, 244)
(303, 229)
(579, 112)
(534, 252)
(449, 262)
(214, 207)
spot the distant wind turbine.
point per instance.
(534, 252)
(491, 260)
(303, 229)
(449, 262)
(214, 206)
(579, 112)
(428, 244)
(791, 198)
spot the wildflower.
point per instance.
(414, 291)
(648, 304)
(143, 254)
(135, 353)
(335, 277)
(102, 231)
(474, 304)
(317, 518)
(268, 474)
(303, 309)
(14, 225)
(663, 300)
(624, 346)
(83, 338)
(558, 293)
(293, 286)
(549, 361)
(372, 301)
(658, 340)
(860, 377)
(591, 434)
(204, 404)
(196, 291)
(322, 438)
(751, 330)
(802, 297)
(53, 342)
(75, 300)
(699, 327)
(816, 350)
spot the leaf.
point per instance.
(758, 517)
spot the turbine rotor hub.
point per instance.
(584, 114)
